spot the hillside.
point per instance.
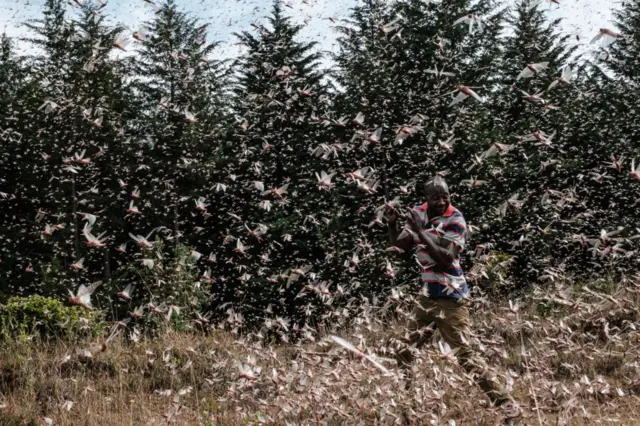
(571, 356)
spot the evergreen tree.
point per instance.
(180, 114)
(75, 112)
(385, 51)
(621, 49)
(600, 149)
(27, 168)
(106, 94)
(367, 76)
(11, 73)
(13, 86)
(177, 120)
(526, 141)
(279, 94)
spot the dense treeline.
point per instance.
(242, 176)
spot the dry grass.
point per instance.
(579, 365)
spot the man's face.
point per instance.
(438, 200)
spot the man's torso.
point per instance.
(441, 281)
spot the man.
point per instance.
(438, 231)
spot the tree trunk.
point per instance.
(175, 224)
(74, 206)
(107, 266)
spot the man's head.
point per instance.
(436, 192)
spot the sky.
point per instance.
(580, 17)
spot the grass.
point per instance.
(579, 365)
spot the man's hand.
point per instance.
(399, 245)
(414, 221)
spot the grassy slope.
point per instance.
(579, 365)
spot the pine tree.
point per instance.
(619, 86)
(621, 50)
(75, 108)
(48, 71)
(279, 97)
(55, 34)
(106, 94)
(600, 147)
(384, 54)
(180, 114)
(12, 80)
(10, 72)
(13, 86)
(519, 169)
(175, 119)
(614, 82)
(367, 77)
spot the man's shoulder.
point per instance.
(456, 214)
(421, 207)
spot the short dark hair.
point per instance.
(437, 182)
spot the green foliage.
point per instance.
(172, 281)
(47, 318)
(278, 89)
(492, 273)
(172, 125)
(513, 204)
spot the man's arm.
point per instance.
(439, 249)
(442, 250)
(404, 243)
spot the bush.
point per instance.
(174, 280)
(47, 318)
(493, 270)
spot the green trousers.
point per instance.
(451, 317)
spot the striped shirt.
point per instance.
(438, 281)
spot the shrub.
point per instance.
(47, 318)
(173, 280)
(493, 273)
